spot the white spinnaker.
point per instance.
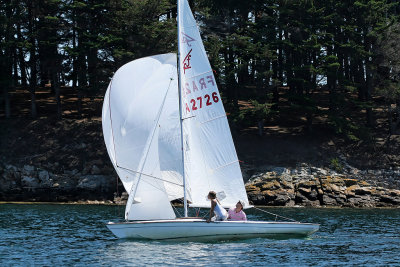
(211, 161)
(135, 136)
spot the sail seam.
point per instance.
(216, 118)
(223, 166)
(192, 77)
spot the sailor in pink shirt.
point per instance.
(237, 214)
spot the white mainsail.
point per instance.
(210, 157)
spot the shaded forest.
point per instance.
(304, 63)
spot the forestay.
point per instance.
(141, 132)
(211, 162)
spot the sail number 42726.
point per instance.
(200, 102)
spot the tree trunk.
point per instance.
(368, 92)
(32, 61)
(56, 87)
(8, 61)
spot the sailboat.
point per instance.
(168, 138)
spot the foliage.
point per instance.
(262, 51)
(336, 165)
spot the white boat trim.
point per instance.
(194, 228)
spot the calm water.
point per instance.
(75, 235)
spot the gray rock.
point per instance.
(71, 173)
(280, 170)
(329, 201)
(300, 198)
(94, 182)
(28, 181)
(314, 203)
(28, 170)
(281, 200)
(44, 178)
(11, 167)
(95, 170)
(390, 199)
(43, 175)
(363, 191)
(290, 203)
(354, 201)
(313, 195)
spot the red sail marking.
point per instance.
(186, 62)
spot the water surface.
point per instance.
(75, 235)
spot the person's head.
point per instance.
(212, 195)
(240, 205)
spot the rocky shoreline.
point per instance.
(303, 185)
(317, 187)
(28, 183)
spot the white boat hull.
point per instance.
(199, 228)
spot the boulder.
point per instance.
(299, 198)
(354, 201)
(31, 182)
(271, 185)
(28, 170)
(304, 191)
(334, 188)
(252, 188)
(328, 200)
(11, 167)
(390, 199)
(256, 198)
(290, 203)
(281, 199)
(44, 178)
(286, 184)
(269, 195)
(395, 193)
(95, 170)
(363, 191)
(341, 199)
(307, 184)
(313, 195)
(350, 182)
(350, 191)
(95, 182)
(314, 203)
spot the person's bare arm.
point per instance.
(213, 204)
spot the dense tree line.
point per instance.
(261, 50)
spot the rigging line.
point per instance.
(150, 142)
(154, 186)
(162, 190)
(276, 215)
(180, 215)
(151, 176)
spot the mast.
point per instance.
(180, 115)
